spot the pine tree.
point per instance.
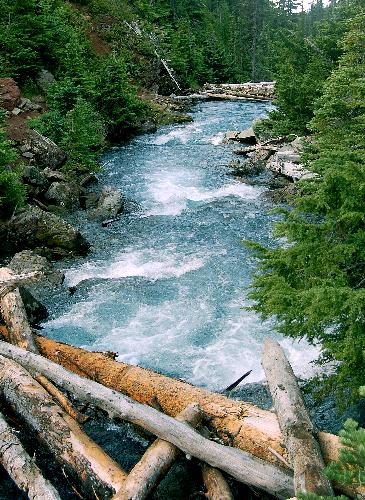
(315, 283)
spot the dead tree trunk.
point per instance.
(155, 462)
(98, 473)
(215, 484)
(22, 468)
(239, 424)
(238, 464)
(15, 316)
(295, 423)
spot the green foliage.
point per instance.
(314, 284)
(116, 99)
(12, 191)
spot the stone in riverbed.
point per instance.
(247, 135)
(110, 204)
(28, 261)
(33, 228)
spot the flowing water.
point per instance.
(166, 286)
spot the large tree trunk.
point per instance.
(239, 424)
(98, 473)
(22, 468)
(155, 462)
(238, 464)
(295, 423)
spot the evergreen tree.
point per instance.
(315, 283)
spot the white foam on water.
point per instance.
(217, 139)
(148, 263)
(171, 192)
(182, 134)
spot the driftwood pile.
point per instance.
(279, 456)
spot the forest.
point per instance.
(109, 59)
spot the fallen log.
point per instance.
(9, 283)
(98, 473)
(14, 315)
(240, 465)
(22, 468)
(155, 462)
(239, 424)
(21, 334)
(295, 424)
(215, 484)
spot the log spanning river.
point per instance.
(165, 287)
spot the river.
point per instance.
(166, 286)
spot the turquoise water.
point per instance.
(165, 287)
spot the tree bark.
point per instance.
(295, 423)
(238, 464)
(15, 316)
(22, 468)
(98, 474)
(155, 462)
(215, 484)
(239, 424)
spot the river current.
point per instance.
(166, 286)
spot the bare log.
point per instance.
(22, 468)
(239, 424)
(98, 473)
(295, 423)
(215, 484)
(20, 332)
(155, 462)
(15, 316)
(9, 282)
(240, 465)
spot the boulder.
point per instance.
(35, 310)
(281, 195)
(45, 80)
(231, 135)
(110, 204)
(35, 177)
(35, 229)
(54, 175)
(89, 200)
(247, 135)
(9, 94)
(287, 162)
(27, 105)
(64, 194)
(46, 152)
(28, 261)
(254, 165)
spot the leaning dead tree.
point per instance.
(240, 465)
(300, 435)
(21, 467)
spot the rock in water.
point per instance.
(27, 262)
(110, 204)
(35, 229)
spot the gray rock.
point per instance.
(28, 261)
(230, 136)
(45, 79)
(33, 176)
(28, 105)
(64, 194)
(28, 155)
(89, 200)
(35, 310)
(287, 162)
(247, 135)
(46, 152)
(110, 204)
(16, 111)
(255, 164)
(54, 175)
(33, 228)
